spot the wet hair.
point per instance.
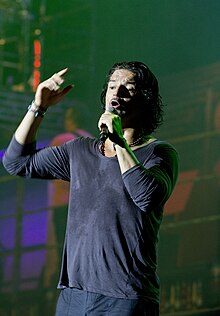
(148, 92)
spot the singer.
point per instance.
(119, 184)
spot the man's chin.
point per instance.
(122, 113)
(112, 110)
(117, 111)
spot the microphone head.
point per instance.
(112, 110)
(103, 133)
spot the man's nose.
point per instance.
(122, 92)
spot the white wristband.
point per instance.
(37, 110)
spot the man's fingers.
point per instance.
(57, 79)
(66, 90)
(50, 84)
(49, 92)
(62, 72)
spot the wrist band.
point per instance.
(37, 110)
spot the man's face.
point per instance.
(121, 92)
(123, 98)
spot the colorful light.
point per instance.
(36, 64)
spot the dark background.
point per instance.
(180, 42)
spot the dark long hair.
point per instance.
(148, 89)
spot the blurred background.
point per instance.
(180, 42)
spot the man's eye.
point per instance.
(131, 89)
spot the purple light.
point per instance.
(7, 234)
(8, 268)
(34, 229)
(32, 264)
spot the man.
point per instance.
(118, 188)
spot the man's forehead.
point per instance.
(123, 75)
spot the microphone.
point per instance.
(103, 135)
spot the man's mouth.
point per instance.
(118, 104)
(115, 103)
(118, 107)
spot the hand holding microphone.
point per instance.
(110, 127)
(104, 131)
(103, 135)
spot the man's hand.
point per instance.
(113, 123)
(49, 93)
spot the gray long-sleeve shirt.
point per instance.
(113, 219)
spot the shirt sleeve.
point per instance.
(45, 163)
(152, 181)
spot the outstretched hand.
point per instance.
(49, 93)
